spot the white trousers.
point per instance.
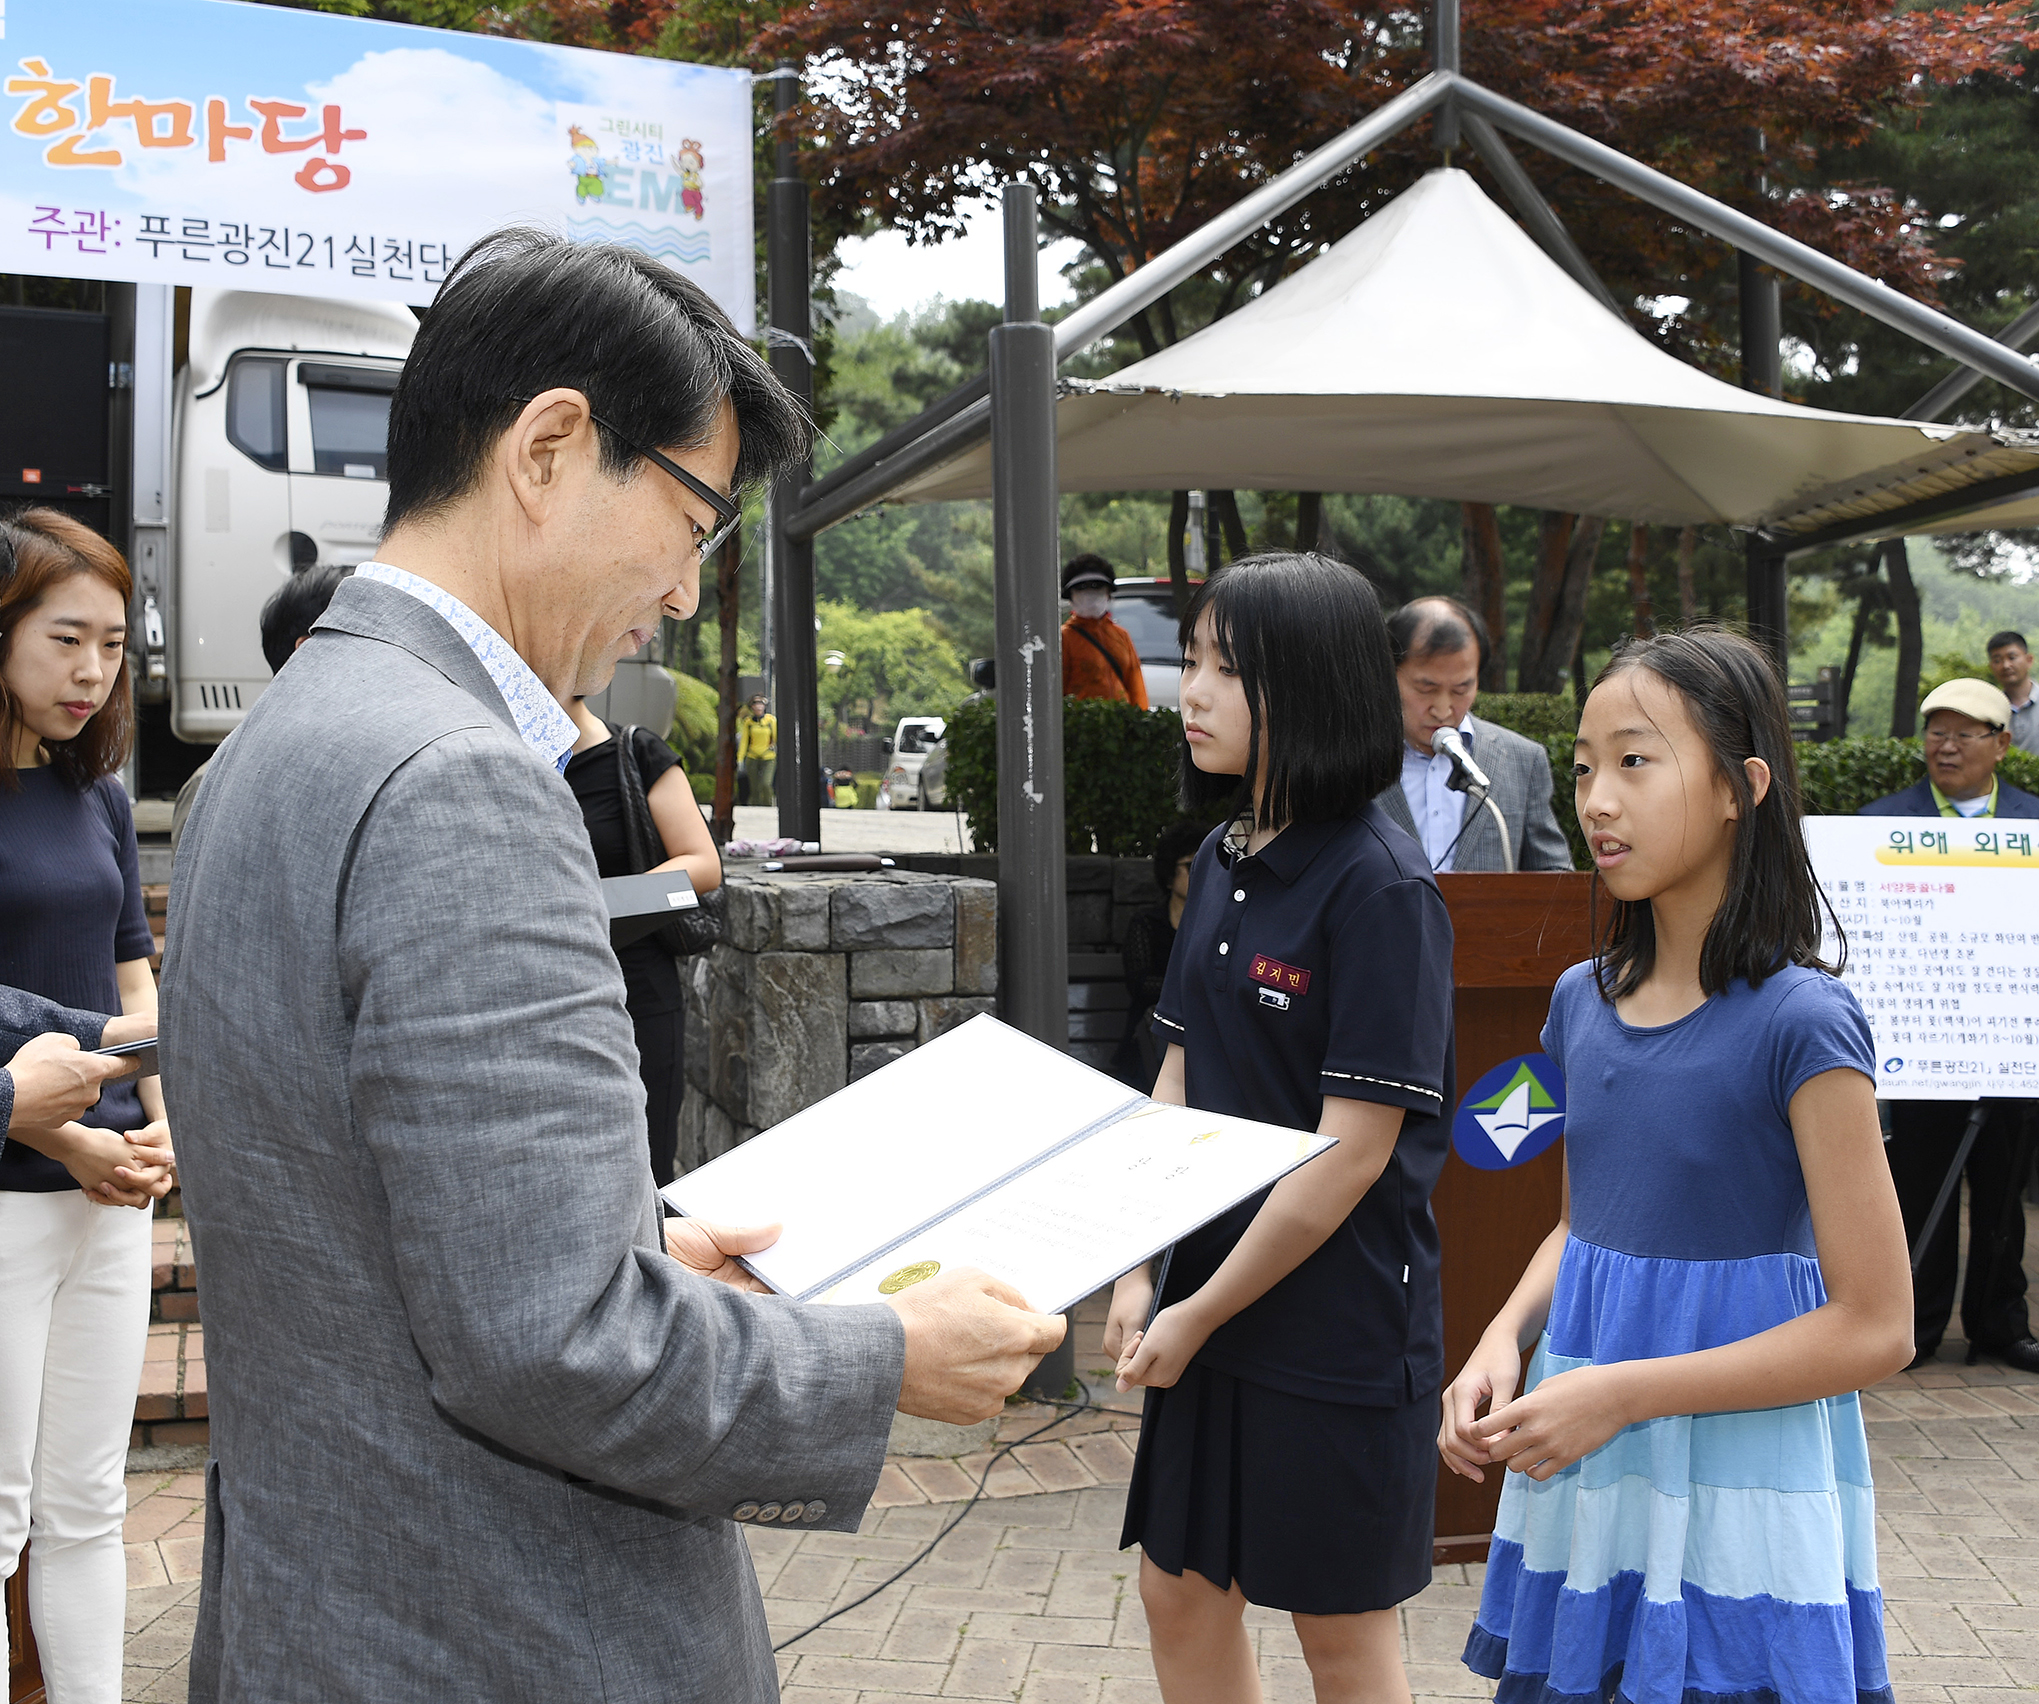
(74, 1321)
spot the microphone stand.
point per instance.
(1461, 783)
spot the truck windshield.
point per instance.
(350, 432)
(255, 413)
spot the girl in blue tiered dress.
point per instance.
(1687, 1517)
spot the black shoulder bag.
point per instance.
(689, 932)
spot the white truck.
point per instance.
(263, 451)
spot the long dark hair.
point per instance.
(40, 548)
(1770, 914)
(1307, 638)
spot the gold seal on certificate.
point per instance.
(909, 1275)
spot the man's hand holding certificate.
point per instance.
(987, 1151)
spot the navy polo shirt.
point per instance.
(1322, 966)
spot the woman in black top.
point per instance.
(651, 975)
(1293, 1368)
(74, 1248)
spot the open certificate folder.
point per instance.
(983, 1148)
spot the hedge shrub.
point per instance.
(1842, 776)
(1539, 716)
(1838, 778)
(1118, 766)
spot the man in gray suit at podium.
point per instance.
(1439, 646)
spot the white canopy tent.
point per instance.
(1436, 351)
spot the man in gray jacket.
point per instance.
(476, 1433)
(1439, 646)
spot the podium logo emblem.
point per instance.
(1510, 1115)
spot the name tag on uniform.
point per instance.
(1274, 974)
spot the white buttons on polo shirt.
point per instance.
(1238, 893)
(1224, 947)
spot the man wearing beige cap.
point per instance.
(1967, 734)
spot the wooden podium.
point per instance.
(1514, 935)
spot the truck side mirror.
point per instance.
(885, 746)
(984, 673)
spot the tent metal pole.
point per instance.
(1892, 523)
(789, 282)
(1844, 283)
(1107, 312)
(1444, 56)
(937, 413)
(1033, 887)
(1544, 224)
(1761, 306)
(1957, 384)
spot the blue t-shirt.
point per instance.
(1322, 966)
(1678, 1138)
(70, 910)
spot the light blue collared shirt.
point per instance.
(1437, 811)
(544, 726)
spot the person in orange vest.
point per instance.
(1098, 659)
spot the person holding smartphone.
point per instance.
(74, 1248)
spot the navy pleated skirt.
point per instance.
(1319, 1508)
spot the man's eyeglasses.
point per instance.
(730, 511)
(727, 509)
(1941, 736)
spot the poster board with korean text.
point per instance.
(1941, 917)
(228, 145)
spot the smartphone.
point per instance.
(142, 1052)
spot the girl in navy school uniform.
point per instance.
(1292, 1367)
(1687, 1514)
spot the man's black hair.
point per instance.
(1434, 626)
(523, 312)
(292, 608)
(1307, 639)
(1997, 641)
(1179, 840)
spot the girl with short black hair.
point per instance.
(1293, 1364)
(1687, 1512)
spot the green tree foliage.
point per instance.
(693, 731)
(1119, 764)
(894, 663)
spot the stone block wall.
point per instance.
(821, 979)
(1104, 896)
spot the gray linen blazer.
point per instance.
(23, 1017)
(1520, 771)
(474, 1435)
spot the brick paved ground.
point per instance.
(1029, 1599)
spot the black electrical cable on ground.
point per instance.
(1073, 1408)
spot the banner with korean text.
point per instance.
(230, 145)
(1941, 916)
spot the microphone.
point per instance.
(1464, 771)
